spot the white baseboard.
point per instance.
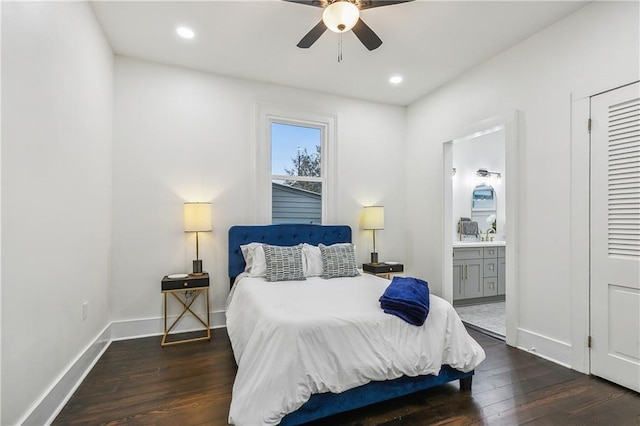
(545, 347)
(54, 399)
(135, 329)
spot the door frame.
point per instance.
(580, 232)
(510, 123)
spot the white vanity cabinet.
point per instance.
(478, 272)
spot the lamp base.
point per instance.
(197, 267)
(374, 258)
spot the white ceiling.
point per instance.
(429, 43)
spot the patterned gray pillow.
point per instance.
(283, 263)
(338, 260)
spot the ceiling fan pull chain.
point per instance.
(340, 49)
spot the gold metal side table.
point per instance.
(186, 291)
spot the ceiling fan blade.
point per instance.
(316, 3)
(312, 36)
(368, 4)
(366, 35)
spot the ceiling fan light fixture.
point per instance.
(341, 16)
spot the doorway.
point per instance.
(478, 198)
(479, 267)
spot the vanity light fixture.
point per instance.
(487, 173)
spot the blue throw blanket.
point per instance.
(407, 298)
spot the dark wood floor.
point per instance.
(138, 382)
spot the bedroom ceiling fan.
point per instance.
(341, 16)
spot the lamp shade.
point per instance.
(197, 217)
(341, 16)
(373, 217)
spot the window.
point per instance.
(295, 166)
(296, 173)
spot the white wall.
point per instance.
(57, 99)
(596, 48)
(183, 135)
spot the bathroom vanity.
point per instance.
(478, 271)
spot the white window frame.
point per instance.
(266, 116)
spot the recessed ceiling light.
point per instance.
(185, 32)
(396, 79)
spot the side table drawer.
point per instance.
(382, 268)
(192, 281)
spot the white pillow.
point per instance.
(311, 260)
(253, 254)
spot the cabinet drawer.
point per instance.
(491, 252)
(490, 268)
(467, 253)
(490, 286)
(502, 251)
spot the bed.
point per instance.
(304, 354)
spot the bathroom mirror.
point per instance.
(483, 207)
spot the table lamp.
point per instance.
(197, 218)
(373, 219)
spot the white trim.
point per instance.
(45, 410)
(447, 214)
(146, 327)
(510, 123)
(266, 114)
(544, 347)
(514, 133)
(579, 234)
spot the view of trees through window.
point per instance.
(296, 173)
(305, 164)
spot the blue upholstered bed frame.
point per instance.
(326, 404)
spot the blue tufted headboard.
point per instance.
(288, 234)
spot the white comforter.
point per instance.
(294, 338)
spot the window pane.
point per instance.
(295, 150)
(296, 202)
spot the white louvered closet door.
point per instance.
(615, 236)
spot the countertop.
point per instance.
(473, 244)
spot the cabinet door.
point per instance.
(502, 289)
(490, 286)
(458, 274)
(473, 282)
